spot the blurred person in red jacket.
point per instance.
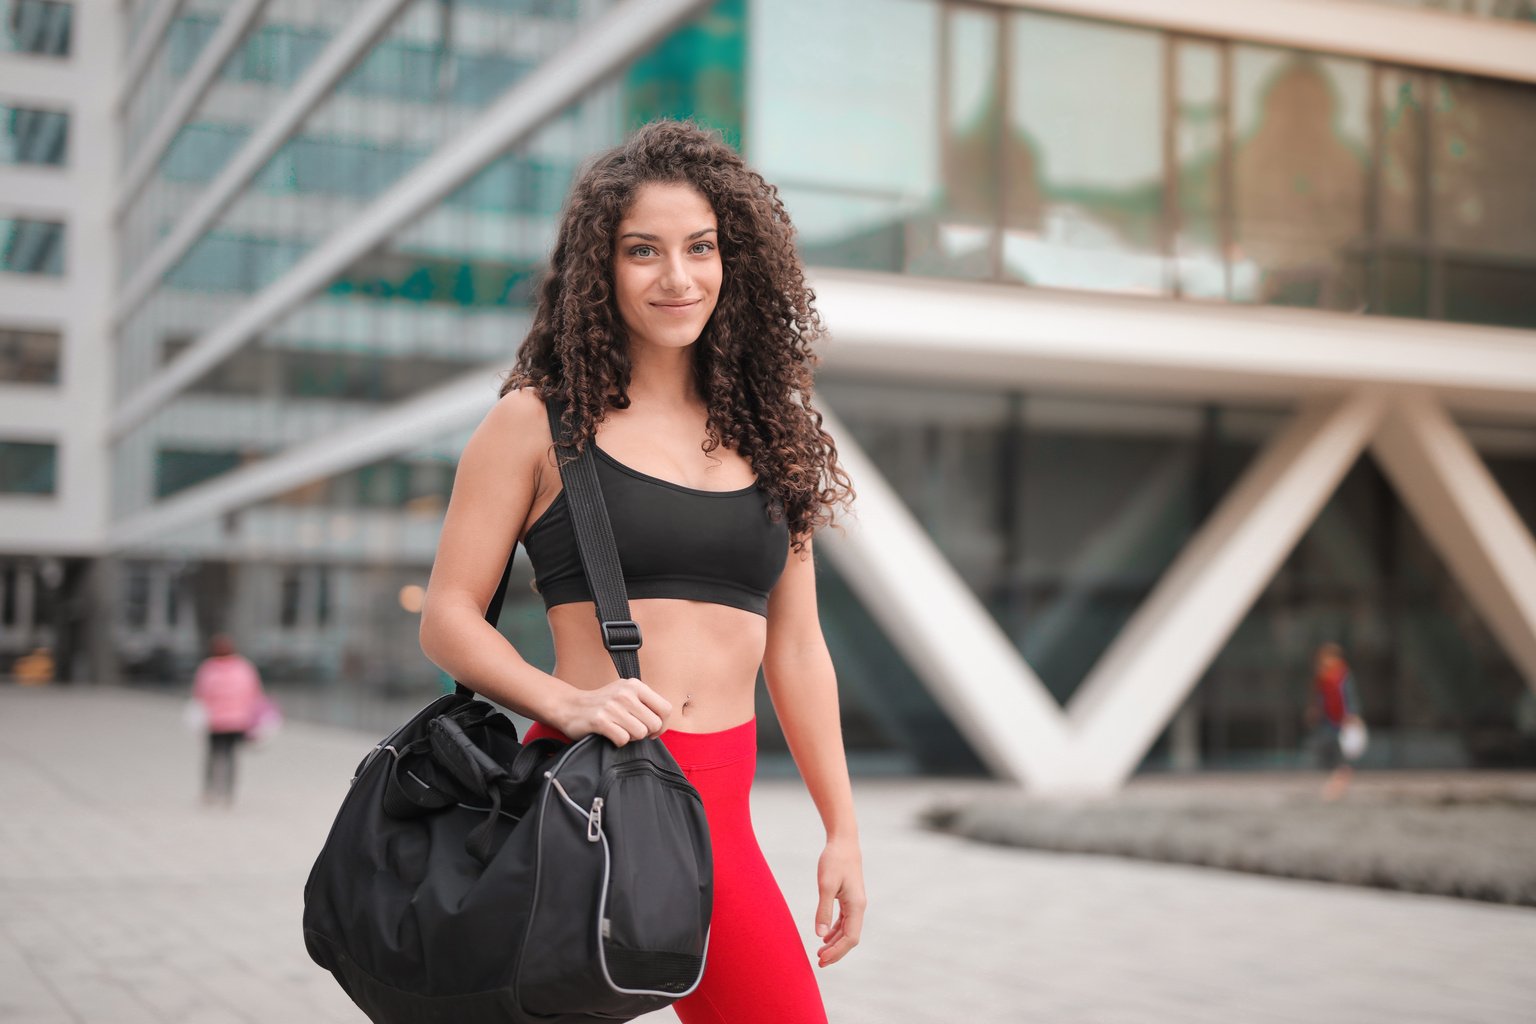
(1334, 707)
(229, 689)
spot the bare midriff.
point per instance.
(702, 657)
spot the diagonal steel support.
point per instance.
(1466, 516)
(313, 88)
(194, 86)
(949, 638)
(619, 36)
(1158, 658)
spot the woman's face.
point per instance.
(666, 265)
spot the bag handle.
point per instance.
(595, 544)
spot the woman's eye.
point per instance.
(703, 247)
(641, 250)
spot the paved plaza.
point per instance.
(122, 901)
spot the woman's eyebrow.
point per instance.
(653, 238)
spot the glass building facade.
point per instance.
(964, 142)
(992, 145)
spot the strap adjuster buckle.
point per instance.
(608, 627)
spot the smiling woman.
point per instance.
(673, 335)
(666, 285)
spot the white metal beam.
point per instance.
(887, 324)
(1449, 41)
(615, 39)
(1159, 656)
(1467, 517)
(945, 633)
(193, 86)
(312, 89)
(398, 428)
(145, 46)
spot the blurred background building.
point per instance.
(1186, 336)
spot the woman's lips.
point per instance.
(676, 309)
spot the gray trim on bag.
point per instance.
(602, 903)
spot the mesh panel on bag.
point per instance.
(661, 971)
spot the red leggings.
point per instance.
(756, 970)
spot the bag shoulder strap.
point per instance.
(595, 544)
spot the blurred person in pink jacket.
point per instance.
(229, 689)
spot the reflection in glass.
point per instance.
(1485, 166)
(1201, 200)
(965, 238)
(1299, 171)
(857, 188)
(1084, 165)
(1401, 212)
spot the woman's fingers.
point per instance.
(615, 732)
(844, 934)
(654, 703)
(633, 727)
(649, 720)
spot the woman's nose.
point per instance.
(674, 275)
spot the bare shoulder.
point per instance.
(518, 414)
(517, 428)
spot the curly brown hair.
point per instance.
(752, 363)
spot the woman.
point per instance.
(673, 332)
(229, 689)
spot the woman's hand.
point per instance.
(623, 710)
(840, 877)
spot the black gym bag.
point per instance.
(473, 879)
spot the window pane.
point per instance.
(1301, 144)
(1085, 155)
(29, 357)
(1404, 172)
(31, 246)
(964, 241)
(1199, 131)
(35, 26)
(1484, 164)
(33, 136)
(27, 468)
(856, 187)
(176, 470)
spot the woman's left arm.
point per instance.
(803, 687)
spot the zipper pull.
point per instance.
(595, 820)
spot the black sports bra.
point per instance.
(673, 541)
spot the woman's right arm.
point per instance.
(493, 492)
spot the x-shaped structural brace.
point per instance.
(979, 677)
